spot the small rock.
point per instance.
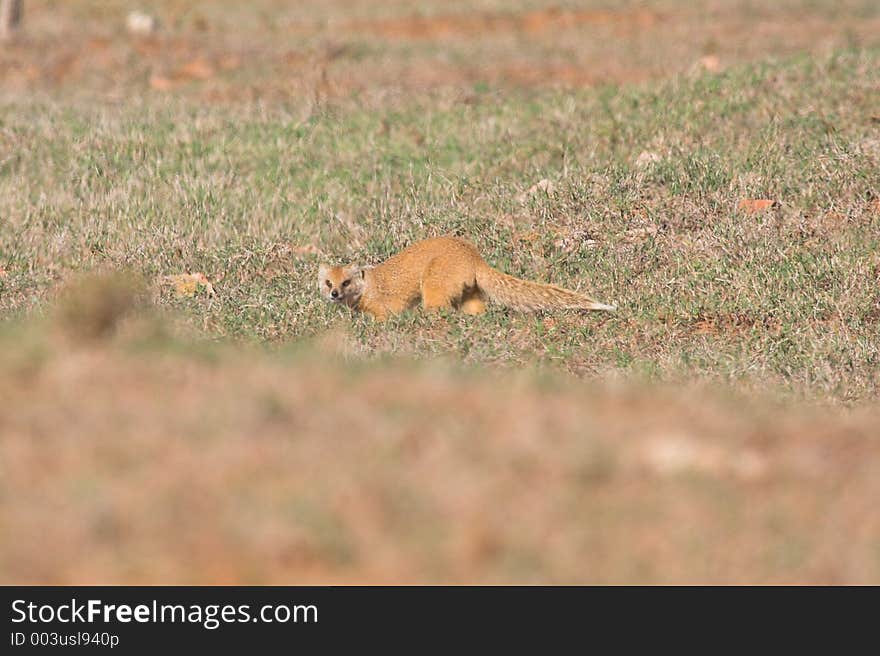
(755, 205)
(141, 24)
(544, 185)
(188, 284)
(674, 454)
(646, 158)
(669, 455)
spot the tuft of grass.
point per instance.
(92, 306)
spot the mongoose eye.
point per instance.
(329, 284)
(346, 283)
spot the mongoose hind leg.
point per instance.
(472, 301)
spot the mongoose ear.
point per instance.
(355, 271)
(323, 272)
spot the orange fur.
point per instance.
(440, 273)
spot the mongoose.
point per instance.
(441, 272)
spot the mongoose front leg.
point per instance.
(435, 289)
(378, 315)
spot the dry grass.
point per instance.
(721, 427)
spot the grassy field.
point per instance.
(719, 427)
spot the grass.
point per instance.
(720, 427)
(786, 298)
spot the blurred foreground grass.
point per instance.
(140, 459)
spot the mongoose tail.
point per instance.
(528, 296)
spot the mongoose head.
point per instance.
(341, 284)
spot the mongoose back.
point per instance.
(441, 272)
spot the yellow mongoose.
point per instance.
(442, 272)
